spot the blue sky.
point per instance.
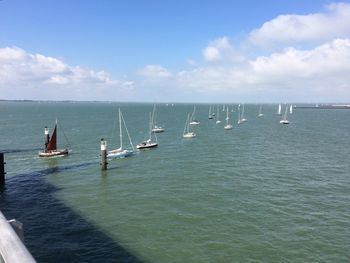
(186, 51)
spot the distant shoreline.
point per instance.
(324, 106)
(295, 105)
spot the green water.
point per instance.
(262, 192)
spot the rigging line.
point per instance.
(126, 128)
(64, 134)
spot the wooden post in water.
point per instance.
(2, 170)
(103, 154)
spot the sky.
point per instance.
(175, 51)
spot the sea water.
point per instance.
(262, 192)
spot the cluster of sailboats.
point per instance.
(51, 150)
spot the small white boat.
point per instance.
(193, 120)
(187, 133)
(284, 118)
(120, 152)
(260, 114)
(50, 149)
(217, 115)
(279, 110)
(155, 127)
(148, 143)
(210, 115)
(241, 118)
(291, 109)
(158, 129)
(228, 126)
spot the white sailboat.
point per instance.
(155, 127)
(187, 133)
(241, 118)
(279, 110)
(228, 126)
(291, 109)
(120, 152)
(193, 120)
(239, 113)
(217, 115)
(210, 115)
(284, 118)
(260, 114)
(148, 143)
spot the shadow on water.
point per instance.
(53, 232)
(19, 150)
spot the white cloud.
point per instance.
(154, 71)
(211, 54)
(322, 72)
(37, 76)
(311, 28)
(330, 59)
(221, 50)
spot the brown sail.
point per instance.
(52, 145)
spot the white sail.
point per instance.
(279, 110)
(291, 109)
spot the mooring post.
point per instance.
(103, 154)
(2, 170)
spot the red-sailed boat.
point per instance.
(51, 145)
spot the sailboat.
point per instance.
(210, 115)
(284, 118)
(120, 152)
(155, 127)
(217, 115)
(260, 114)
(50, 149)
(241, 117)
(193, 120)
(239, 113)
(279, 110)
(148, 143)
(228, 126)
(291, 109)
(187, 133)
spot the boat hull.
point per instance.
(119, 154)
(147, 145)
(158, 130)
(189, 135)
(194, 123)
(53, 153)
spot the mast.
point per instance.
(150, 126)
(285, 113)
(227, 118)
(120, 130)
(239, 113)
(126, 128)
